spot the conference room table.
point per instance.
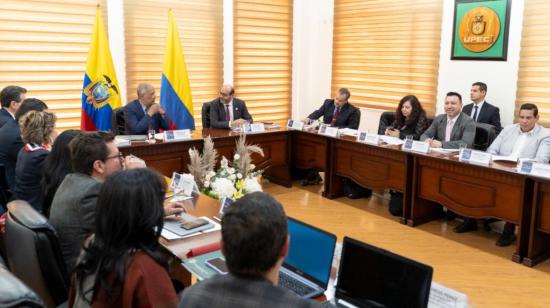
(427, 181)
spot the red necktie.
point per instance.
(335, 116)
(227, 114)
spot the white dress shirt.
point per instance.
(479, 106)
(534, 144)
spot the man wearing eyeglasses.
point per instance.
(94, 157)
(227, 111)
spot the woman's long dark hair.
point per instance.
(417, 111)
(129, 217)
(56, 166)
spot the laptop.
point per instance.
(373, 277)
(306, 269)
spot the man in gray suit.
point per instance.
(523, 140)
(255, 242)
(94, 157)
(451, 129)
(227, 111)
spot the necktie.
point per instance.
(448, 131)
(335, 116)
(475, 113)
(227, 114)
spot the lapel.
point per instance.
(235, 110)
(456, 127)
(140, 111)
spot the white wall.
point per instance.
(115, 17)
(312, 55)
(500, 76)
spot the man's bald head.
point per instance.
(226, 93)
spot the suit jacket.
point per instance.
(217, 113)
(28, 176)
(464, 131)
(349, 115)
(138, 122)
(5, 117)
(536, 146)
(245, 292)
(73, 214)
(488, 114)
(10, 139)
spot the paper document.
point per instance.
(392, 140)
(349, 132)
(443, 297)
(512, 159)
(444, 151)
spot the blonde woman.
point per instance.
(38, 133)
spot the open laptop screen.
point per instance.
(311, 251)
(372, 275)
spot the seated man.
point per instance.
(143, 113)
(255, 242)
(525, 139)
(11, 98)
(94, 157)
(10, 138)
(451, 129)
(338, 112)
(480, 110)
(227, 111)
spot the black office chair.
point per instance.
(485, 135)
(206, 115)
(118, 121)
(386, 119)
(34, 255)
(14, 293)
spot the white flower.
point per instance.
(251, 185)
(236, 157)
(231, 170)
(206, 183)
(239, 176)
(224, 162)
(211, 173)
(252, 166)
(207, 177)
(232, 177)
(223, 187)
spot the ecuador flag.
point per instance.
(100, 92)
(175, 91)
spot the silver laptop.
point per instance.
(306, 269)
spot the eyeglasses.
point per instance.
(119, 155)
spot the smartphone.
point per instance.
(217, 264)
(192, 224)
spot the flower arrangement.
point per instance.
(233, 179)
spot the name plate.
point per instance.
(416, 146)
(257, 127)
(368, 138)
(183, 184)
(475, 157)
(444, 297)
(534, 168)
(177, 135)
(298, 125)
(327, 130)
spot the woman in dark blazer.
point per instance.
(410, 119)
(38, 133)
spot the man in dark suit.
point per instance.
(143, 113)
(255, 243)
(10, 138)
(451, 129)
(227, 111)
(480, 110)
(338, 112)
(11, 98)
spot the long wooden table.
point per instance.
(426, 180)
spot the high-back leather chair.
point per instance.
(485, 135)
(118, 122)
(14, 293)
(206, 115)
(34, 255)
(386, 119)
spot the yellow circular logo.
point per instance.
(479, 29)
